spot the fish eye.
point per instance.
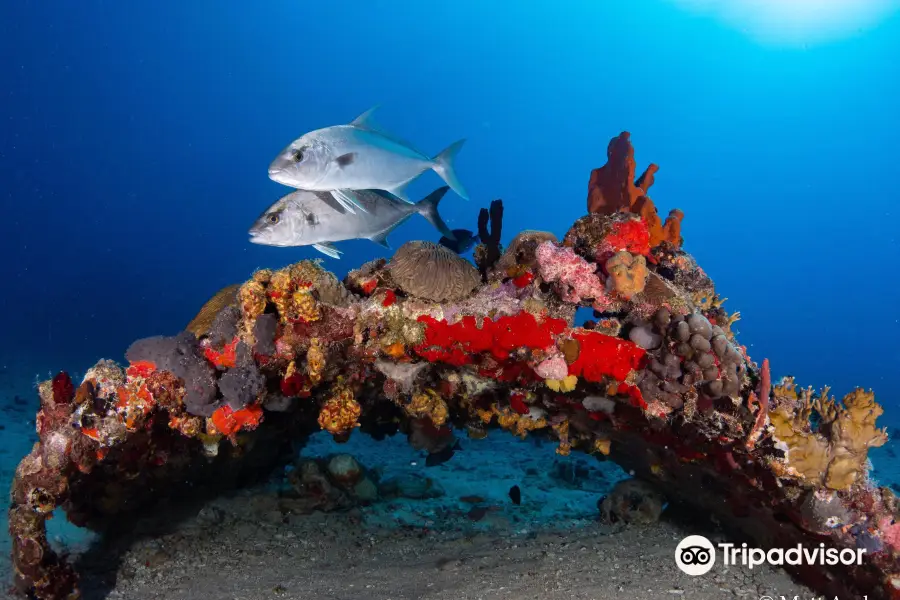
(297, 155)
(273, 218)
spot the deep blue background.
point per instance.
(136, 135)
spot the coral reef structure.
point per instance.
(421, 344)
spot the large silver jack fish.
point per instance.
(307, 218)
(359, 156)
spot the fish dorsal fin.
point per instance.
(328, 249)
(348, 200)
(365, 121)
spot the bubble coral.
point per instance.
(433, 272)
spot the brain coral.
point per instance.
(201, 324)
(433, 272)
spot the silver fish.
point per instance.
(359, 156)
(312, 218)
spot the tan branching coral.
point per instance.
(627, 273)
(833, 454)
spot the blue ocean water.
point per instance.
(136, 137)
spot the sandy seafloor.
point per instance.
(551, 546)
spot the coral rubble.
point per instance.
(422, 344)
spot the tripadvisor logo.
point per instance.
(696, 555)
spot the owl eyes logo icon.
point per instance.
(695, 555)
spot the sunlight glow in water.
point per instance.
(797, 21)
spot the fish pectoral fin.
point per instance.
(328, 249)
(345, 159)
(381, 239)
(348, 200)
(329, 199)
(401, 192)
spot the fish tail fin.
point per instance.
(443, 166)
(428, 208)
